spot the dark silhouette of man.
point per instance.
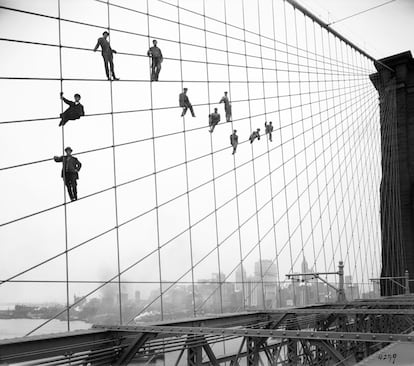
(255, 135)
(185, 103)
(234, 141)
(213, 120)
(75, 110)
(269, 130)
(70, 169)
(227, 106)
(155, 53)
(107, 54)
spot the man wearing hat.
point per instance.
(213, 120)
(234, 141)
(156, 56)
(227, 106)
(185, 103)
(70, 169)
(107, 54)
(75, 110)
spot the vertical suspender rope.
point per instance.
(268, 159)
(339, 162)
(156, 183)
(291, 120)
(314, 162)
(279, 298)
(346, 262)
(253, 168)
(212, 165)
(353, 201)
(336, 240)
(304, 141)
(317, 169)
(331, 263)
(115, 185)
(186, 168)
(64, 178)
(243, 284)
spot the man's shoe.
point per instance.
(114, 78)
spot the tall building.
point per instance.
(241, 278)
(266, 293)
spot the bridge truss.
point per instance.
(340, 334)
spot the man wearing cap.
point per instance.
(227, 106)
(107, 54)
(185, 103)
(75, 110)
(213, 119)
(70, 169)
(234, 141)
(156, 55)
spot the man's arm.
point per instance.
(97, 45)
(82, 111)
(162, 57)
(58, 159)
(149, 53)
(78, 165)
(67, 101)
(221, 100)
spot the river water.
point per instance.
(11, 328)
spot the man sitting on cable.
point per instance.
(75, 110)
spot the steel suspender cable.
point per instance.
(193, 290)
(157, 205)
(64, 177)
(115, 178)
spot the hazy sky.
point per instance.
(311, 193)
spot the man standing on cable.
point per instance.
(75, 110)
(269, 130)
(70, 169)
(213, 120)
(107, 54)
(156, 55)
(227, 106)
(234, 141)
(185, 103)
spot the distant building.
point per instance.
(265, 275)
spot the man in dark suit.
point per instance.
(234, 141)
(185, 103)
(75, 110)
(156, 56)
(213, 119)
(70, 169)
(254, 135)
(227, 106)
(269, 129)
(107, 54)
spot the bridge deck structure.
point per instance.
(335, 334)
